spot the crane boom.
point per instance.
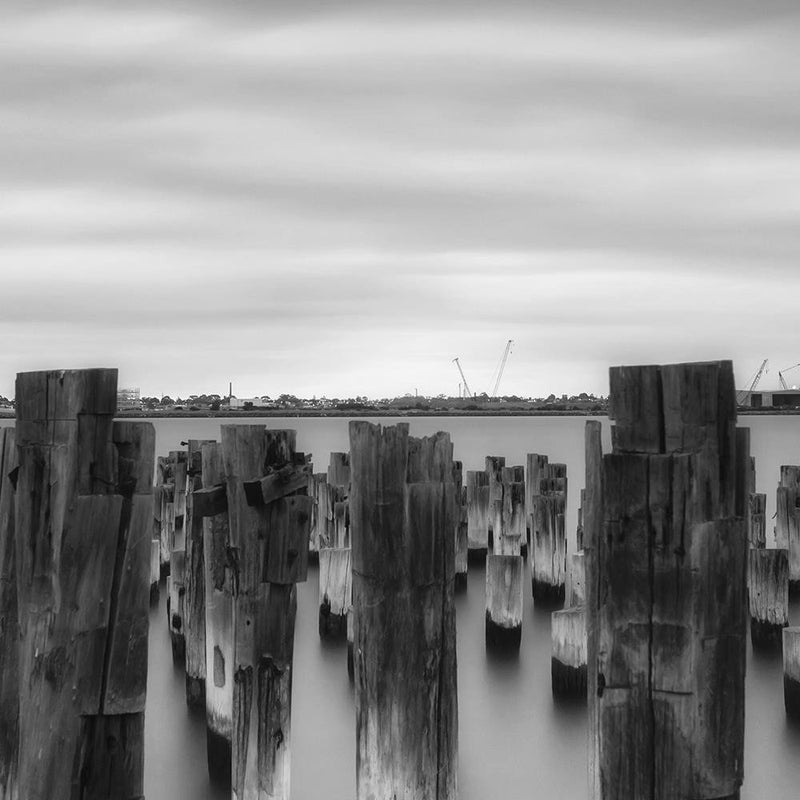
(781, 374)
(466, 385)
(742, 395)
(502, 367)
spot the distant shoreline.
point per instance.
(334, 413)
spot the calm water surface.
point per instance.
(514, 742)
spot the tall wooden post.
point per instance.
(477, 512)
(83, 531)
(210, 503)
(404, 621)
(9, 623)
(494, 471)
(768, 591)
(548, 535)
(194, 605)
(667, 604)
(757, 520)
(269, 534)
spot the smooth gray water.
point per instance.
(514, 741)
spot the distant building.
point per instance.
(128, 399)
(255, 402)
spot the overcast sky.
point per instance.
(338, 198)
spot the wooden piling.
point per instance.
(666, 582)
(757, 520)
(579, 530)
(534, 466)
(403, 615)
(477, 512)
(269, 534)
(155, 570)
(577, 580)
(768, 590)
(175, 612)
(335, 591)
(548, 536)
(462, 543)
(211, 504)
(787, 523)
(791, 672)
(494, 471)
(9, 623)
(83, 530)
(568, 655)
(504, 601)
(194, 606)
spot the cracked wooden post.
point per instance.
(791, 672)
(9, 622)
(504, 600)
(768, 591)
(534, 465)
(194, 605)
(83, 522)
(462, 536)
(494, 471)
(666, 587)
(477, 513)
(548, 536)
(155, 570)
(402, 506)
(787, 523)
(210, 503)
(579, 529)
(269, 534)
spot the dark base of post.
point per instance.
(568, 681)
(501, 638)
(476, 556)
(178, 647)
(460, 582)
(218, 754)
(766, 635)
(164, 571)
(794, 588)
(313, 556)
(351, 669)
(331, 626)
(791, 697)
(548, 595)
(195, 692)
(523, 549)
(154, 594)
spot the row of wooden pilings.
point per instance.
(655, 624)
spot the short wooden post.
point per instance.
(791, 672)
(178, 466)
(211, 504)
(404, 615)
(269, 534)
(768, 589)
(548, 536)
(83, 531)
(335, 590)
(534, 466)
(155, 570)
(9, 623)
(194, 605)
(568, 659)
(787, 523)
(666, 587)
(462, 542)
(757, 520)
(504, 601)
(477, 512)
(579, 530)
(176, 596)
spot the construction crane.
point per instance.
(783, 372)
(467, 392)
(501, 368)
(741, 395)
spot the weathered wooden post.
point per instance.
(155, 570)
(335, 591)
(787, 524)
(83, 530)
(791, 672)
(548, 536)
(462, 541)
(477, 513)
(757, 520)
(666, 545)
(504, 600)
(494, 472)
(9, 623)
(210, 503)
(534, 466)
(577, 580)
(404, 616)
(568, 658)
(269, 535)
(768, 590)
(579, 530)
(194, 601)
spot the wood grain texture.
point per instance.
(504, 600)
(768, 593)
(404, 617)
(335, 591)
(477, 510)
